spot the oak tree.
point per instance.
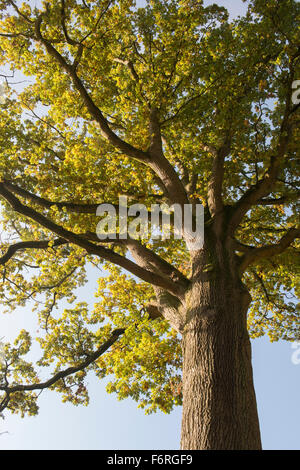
(172, 103)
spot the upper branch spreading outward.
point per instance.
(161, 166)
(95, 112)
(215, 184)
(107, 254)
(154, 157)
(252, 254)
(215, 200)
(285, 199)
(69, 206)
(34, 244)
(264, 186)
(62, 374)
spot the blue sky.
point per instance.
(109, 424)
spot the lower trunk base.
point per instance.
(219, 404)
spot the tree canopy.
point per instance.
(171, 102)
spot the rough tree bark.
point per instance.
(219, 404)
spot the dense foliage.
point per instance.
(103, 77)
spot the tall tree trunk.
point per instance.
(219, 404)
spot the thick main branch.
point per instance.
(91, 248)
(253, 255)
